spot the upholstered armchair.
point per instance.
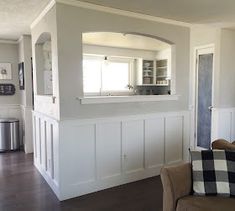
(177, 188)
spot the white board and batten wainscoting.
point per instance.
(10, 110)
(77, 157)
(223, 124)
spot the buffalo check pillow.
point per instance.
(213, 172)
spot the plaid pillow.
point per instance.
(213, 172)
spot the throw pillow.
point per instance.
(213, 172)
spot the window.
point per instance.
(106, 76)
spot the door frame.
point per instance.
(200, 50)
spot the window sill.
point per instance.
(127, 99)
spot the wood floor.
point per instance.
(23, 188)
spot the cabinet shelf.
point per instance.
(153, 72)
(163, 67)
(161, 84)
(161, 76)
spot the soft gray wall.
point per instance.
(9, 54)
(73, 21)
(224, 66)
(25, 54)
(227, 69)
(114, 51)
(47, 24)
(201, 36)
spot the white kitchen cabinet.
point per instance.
(153, 72)
(162, 78)
(146, 72)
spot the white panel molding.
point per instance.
(46, 149)
(10, 106)
(27, 128)
(14, 42)
(154, 142)
(95, 154)
(133, 146)
(52, 183)
(174, 139)
(78, 122)
(111, 10)
(107, 168)
(223, 123)
(187, 127)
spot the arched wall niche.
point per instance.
(153, 69)
(43, 62)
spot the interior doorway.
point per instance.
(204, 96)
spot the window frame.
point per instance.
(118, 59)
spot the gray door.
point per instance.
(204, 100)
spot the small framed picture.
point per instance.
(21, 75)
(5, 71)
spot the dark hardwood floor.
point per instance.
(23, 188)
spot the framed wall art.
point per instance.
(5, 71)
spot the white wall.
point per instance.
(43, 103)
(114, 51)
(9, 54)
(224, 87)
(227, 69)
(224, 43)
(70, 60)
(66, 35)
(201, 35)
(10, 105)
(25, 54)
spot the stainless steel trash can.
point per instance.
(9, 134)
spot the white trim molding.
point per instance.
(122, 12)
(43, 13)
(8, 42)
(127, 99)
(196, 51)
(106, 9)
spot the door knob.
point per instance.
(210, 108)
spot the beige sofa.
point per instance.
(177, 189)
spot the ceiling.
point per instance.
(124, 41)
(17, 15)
